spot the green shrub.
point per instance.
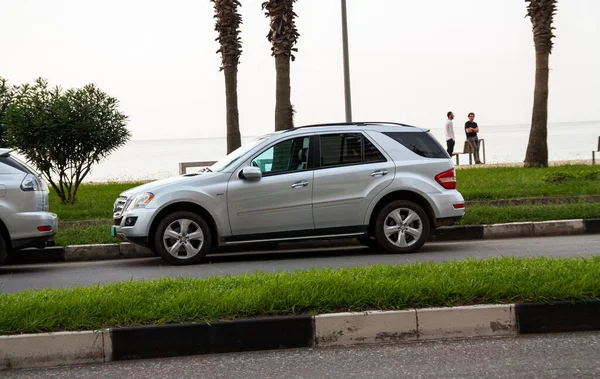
(63, 133)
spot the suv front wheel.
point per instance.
(182, 238)
(401, 227)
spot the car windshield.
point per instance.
(224, 163)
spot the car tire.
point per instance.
(3, 253)
(182, 238)
(401, 227)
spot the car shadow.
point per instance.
(226, 257)
(291, 254)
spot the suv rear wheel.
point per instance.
(3, 253)
(182, 238)
(401, 227)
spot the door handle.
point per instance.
(301, 184)
(379, 173)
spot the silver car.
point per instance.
(386, 184)
(24, 217)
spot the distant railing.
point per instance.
(594, 152)
(184, 165)
(264, 164)
(468, 149)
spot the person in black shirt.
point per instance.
(471, 130)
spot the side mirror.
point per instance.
(251, 173)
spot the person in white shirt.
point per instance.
(450, 140)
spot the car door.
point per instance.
(350, 172)
(279, 204)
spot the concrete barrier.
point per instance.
(365, 327)
(558, 228)
(509, 230)
(92, 252)
(472, 321)
(54, 349)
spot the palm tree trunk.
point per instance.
(537, 149)
(283, 106)
(233, 122)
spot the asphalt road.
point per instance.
(574, 355)
(19, 278)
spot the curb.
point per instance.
(125, 250)
(337, 329)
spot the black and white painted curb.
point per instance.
(52, 349)
(78, 253)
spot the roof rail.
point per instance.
(351, 123)
(386, 123)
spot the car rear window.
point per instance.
(421, 143)
(15, 163)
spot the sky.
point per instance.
(410, 61)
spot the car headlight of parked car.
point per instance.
(139, 201)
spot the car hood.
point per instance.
(177, 180)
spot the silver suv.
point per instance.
(24, 217)
(387, 184)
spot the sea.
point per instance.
(141, 160)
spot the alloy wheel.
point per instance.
(183, 238)
(403, 227)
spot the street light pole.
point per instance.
(346, 64)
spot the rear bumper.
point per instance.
(39, 242)
(448, 206)
(24, 228)
(448, 221)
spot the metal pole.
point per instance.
(346, 64)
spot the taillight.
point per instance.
(447, 179)
(31, 183)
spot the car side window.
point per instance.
(348, 148)
(286, 156)
(371, 152)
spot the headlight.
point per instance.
(140, 201)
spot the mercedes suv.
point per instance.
(384, 183)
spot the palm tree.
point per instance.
(227, 25)
(283, 35)
(541, 13)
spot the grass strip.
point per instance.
(481, 215)
(94, 201)
(490, 183)
(424, 284)
(84, 235)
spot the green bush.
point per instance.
(6, 95)
(63, 133)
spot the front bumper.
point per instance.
(123, 229)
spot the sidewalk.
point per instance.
(302, 331)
